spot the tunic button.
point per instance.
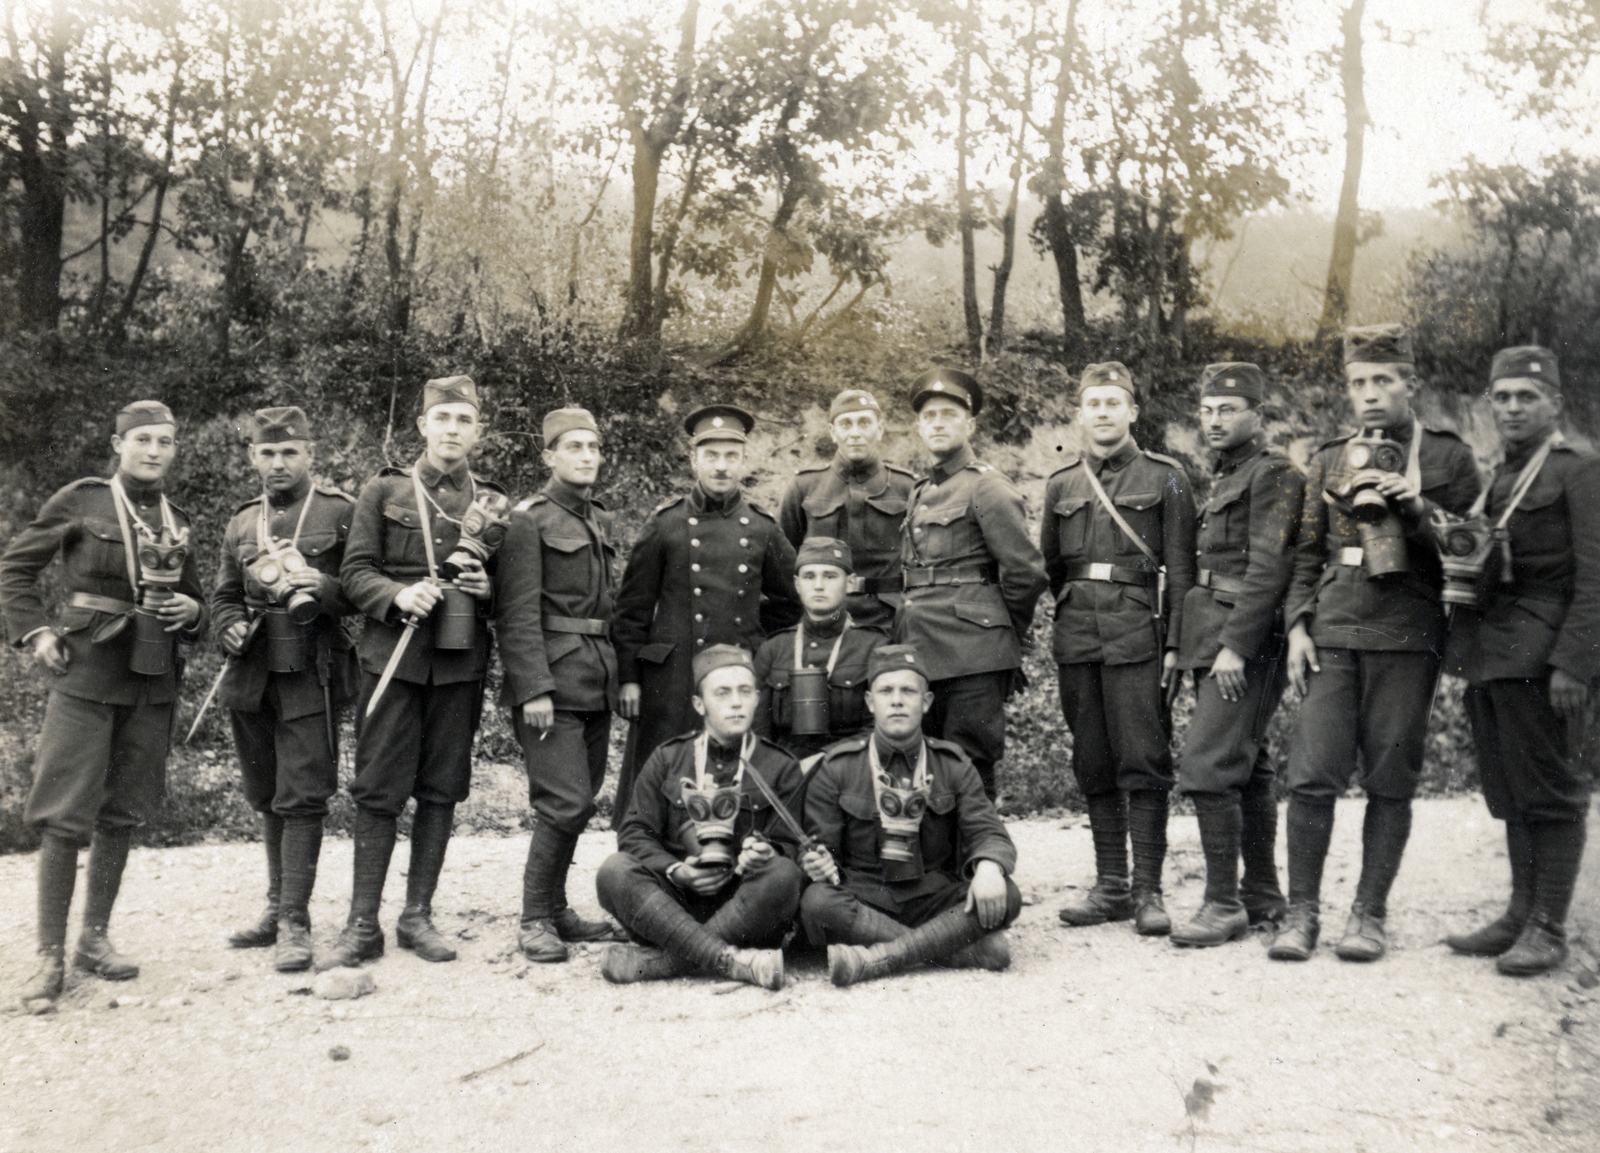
(744, 568)
(699, 616)
(694, 520)
(700, 640)
(738, 620)
(744, 520)
(696, 592)
(694, 544)
(918, 528)
(739, 593)
(694, 568)
(744, 543)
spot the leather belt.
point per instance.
(1110, 572)
(1349, 557)
(873, 586)
(99, 604)
(587, 626)
(916, 578)
(1222, 582)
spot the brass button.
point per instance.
(744, 568)
(699, 616)
(744, 520)
(694, 520)
(694, 568)
(744, 542)
(694, 543)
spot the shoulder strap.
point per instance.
(427, 527)
(1111, 510)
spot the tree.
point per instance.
(1053, 231)
(1341, 264)
(1017, 103)
(1540, 58)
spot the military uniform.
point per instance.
(847, 682)
(863, 505)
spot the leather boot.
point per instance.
(416, 931)
(1385, 829)
(360, 940)
(945, 935)
(538, 937)
(1258, 840)
(759, 967)
(1296, 940)
(1222, 916)
(1214, 924)
(430, 837)
(992, 952)
(108, 856)
(1500, 934)
(265, 931)
(42, 989)
(293, 953)
(1557, 854)
(626, 964)
(1539, 948)
(1364, 937)
(1109, 900)
(1150, 917)
(97, 955)
(570, 926)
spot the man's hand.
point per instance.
(539, 714)
(1568, 695)
(179, 611)
(308, 578)
(755, 852)
(1228, 669)
(1302, 653)
(987, 895)
(1402, 493)
(233, 637)
(690, 876)
(51, 650)
(628, 702)
(818, 865)
(474, 581)
(1169, 664)
(418, 600)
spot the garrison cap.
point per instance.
(718, 422)
(1378, 344)
(1112, 372)
(716, 657)
(854, 400)
(274, 425)
(449, 390)
(893, 658)
(1526, 362)
(1234, 378)
(143, 412)
(568, 419)
(824, 550)
(959, 386)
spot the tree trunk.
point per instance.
(1008, 223)
(1341, 264)
(44, 128)
(232, 291)
(163, 179)
(965, 222)
(1053, 186)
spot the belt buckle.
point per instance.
(1100, 572)
(1350, 557)
(852, 584)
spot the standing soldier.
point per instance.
(972, 575)
(130, 591)
(858, 499)
(416, 741)
(710, 568)
(1528, 651)
(813, 677)
(1364, 617)
(553, 595)
(290, 667)
(1233, 640)
(1118, 541)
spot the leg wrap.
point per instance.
(58, 875)
(1221, 823)
(1310, 833)
(375, 836)
(430, 837)
(1384, 831)
(108, 856)
(1147, 830)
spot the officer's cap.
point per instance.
(718, 422)
(714, 657)
(959, 386)
(1378, 344)
(824, 550)
(1234, 378)
(854, 400)
(1526, 362)
(275, 425)
(893, 658)
(1112, 372)
(143, 412)
(449, 390)
(568, 419)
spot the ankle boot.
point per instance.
(1258, 839)
(538, 938)
(948, 933)
(1539, 948)
(265, 931)
(760, 967)
(108, 856)
(1221, 916)
(40, 992)
(1364, 936)
(360, 940)
(293, 953)
(97, 955)
(570, 926)
(1110, 899)
(1213, 924)
(1150, 917)
(430, 837)
(1500, 934)
(992, 952)
(1557, 855)
(626, 964)
(1296, 940)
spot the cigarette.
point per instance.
(543, 733)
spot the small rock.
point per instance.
(377, 1117)
(344, 984)
(173, 1002)
(127, 1001)
(339, 1053)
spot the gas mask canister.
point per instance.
(161, 558)
(1464, 547)
(483, 528)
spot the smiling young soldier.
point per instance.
(1118, 542)
(704, 867)
(803, 717)
(923, 860)
(417, 742)
(101, 765)
(710, 568)
(553, 596)
(972, 575)
(1366, 634)
(276, 608)
(858, 499)
(1528, 652)
(1233, 640)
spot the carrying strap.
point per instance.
(264, 540)
(1525, 479)
(427, 525)
(125, 517)
(1111, 510)
(702, 750)
(833, 657)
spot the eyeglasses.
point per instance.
(1225, 411)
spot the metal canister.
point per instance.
(458, 620)
(1384, 546)
(152, 650)
(808, 702)
(291, 646)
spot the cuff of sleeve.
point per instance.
(28, 636)
(972, 867)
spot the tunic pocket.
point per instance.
(402, 538)
(1072, 527)
(1142, 512)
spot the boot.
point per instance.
(1309, 834)
(538, 937)
(992, 952)
(945, 935)
(625, 964)
(1364, 937)
(360, 940)
(1297, 939)
(1500, 934)
(1150, 914)
(97, 955)
(293, 954)
(1557, 855)
(374, 846)
(265, 931)
(415, 930)
(58, 876)
(430, 837)
(1539, 948)
(569, 925)
(1147, 832)
(1385, 828)
(760, 967)
(1222, 916)
(108, 856)
(43, 988)
(302, 845)
(1109, 899)
(1213, 924)
(1258, 838)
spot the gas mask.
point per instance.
(1464, 547)
(712, 812)
(900, 813)
(271, 571)
(1368, 458)
(161, 558)
(483, 528)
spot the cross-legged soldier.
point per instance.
(1118, 542)
(912, 863)
(417, 740)
(553, 609)
(129, 592)
(972, 575)
(1233, 640)
(858, 499)
(276, 608)
(1366, 634)
(1530, 653)
(704, 869)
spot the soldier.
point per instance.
(858, 499)
(290, 667)
(972, 575)
(1528, 653)
(1364, 617)
(827, 638)
(1118, 542)
(417, 740)
(913, 863)
(1233, 640)
(100, 769)
(710, 568)
(675, 880)
(553, 595)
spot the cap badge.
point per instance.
(938, 386)
(716, 422)
(1112, 376)
(1229, 383)
(1534, 367)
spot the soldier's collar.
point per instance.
(827, 627)
(703, 501)
(457, 477)
(570, 497)
(1518, 455)
(290, 496)
(1230, 458)
(139, 489)
(859, 472)
(907, 748)
(1125, 452)
(945, 469)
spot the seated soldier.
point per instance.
(802, 719)
(923, 855)
(675, 881)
